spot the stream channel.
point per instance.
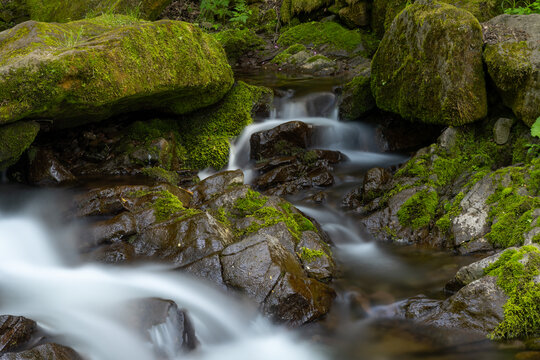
(79, 304)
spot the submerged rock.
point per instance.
(430, 69)
(512, 56)
(78, 72)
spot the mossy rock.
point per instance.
(292, 8)
(383, 13)
(70, 10)
(356, 14)
(335, 36)
(483, 10)
(92, 69)
(357, 98)
(237, 42)
(14, 140)
(429, 66)
(512, 56)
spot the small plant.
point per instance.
(73, 38)
(521, 7)
(235, 12)
(534, 149)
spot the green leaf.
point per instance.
(535, 128)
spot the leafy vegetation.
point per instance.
(521, 7)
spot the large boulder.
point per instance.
(13, 11)
(14, 140)
(92, 69)
(512, 56)
(429, 66)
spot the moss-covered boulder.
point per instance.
(92, 69)
(357, 98)
(355, 14)
(512, 56)
(237, 42)
(15, 11)
(384, 11)
(429, 66)
(292, 8)
(334, 37)
(14, 139)
(483, 10)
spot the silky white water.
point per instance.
(83, 303)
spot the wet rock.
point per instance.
(319, 198)
(475, 246)
(477, 306)
(501, 130)
(147, 315)
(356, 14)
(511, 54)
(114, 229)
(279, 175)
(114, 254)
(320, 177)
(274, 162)
(472, 223)
(16, 138)
(15, 331)
(216, 184)
(208, 268)
(353, 199)
(281, 140)
(374, 181)
(183, 241)
(440, 96)
(471, 272)
(448, 138)
(44, 352)
(45, 169)
(313, 253)
(297, 300)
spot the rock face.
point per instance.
(14, 332)
(225, 232)
(15, 139)
(423, 71)
(357, 99)
(285, 137)
(45, 351)
(512, 56)
(92, 69)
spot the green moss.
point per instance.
(284, 56)
(161, 174)
(310, 255)
(508, 64)
(238, 42)
(331, 34)
(384, 11)
(165, 205)
(452, 210)
(522, 310)
(252, 202)
(410, 73)
(170, 65)
(206, 134)
(419, 209)
(511, 213)
(357, 98)
(14, 140)
(222, 215)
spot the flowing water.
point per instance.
(78, 304)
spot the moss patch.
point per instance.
(522, 310)
(331, 34)
(310, 255)
(166, 205)
(284, 56)
(14, 140)
(419, 209)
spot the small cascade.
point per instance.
(81, 302)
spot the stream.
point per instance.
(78, 304)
